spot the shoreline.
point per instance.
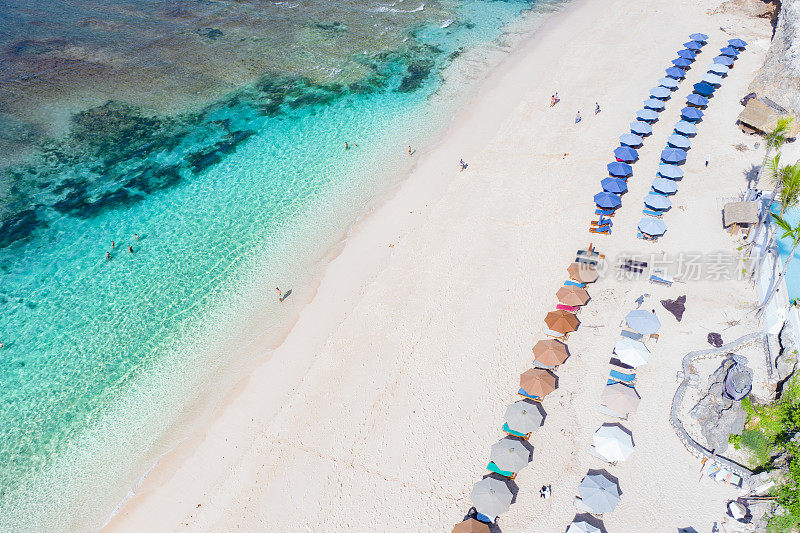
(366, 232)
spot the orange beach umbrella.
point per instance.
(550, 352)
(572, 295)
(561, 321)
(582, 272)
(470, 525)
(538, 382)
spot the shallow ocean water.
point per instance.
(100, 355)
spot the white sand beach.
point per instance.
(378, 410)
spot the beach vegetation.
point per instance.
(787, 179)
(787, 232)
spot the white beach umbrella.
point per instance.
(524, 416)
(631, 352)
(643, 321)
(491, 497)
(613, 443)
(509, 455)
(599, 493)
(582, 527)
(620, 398)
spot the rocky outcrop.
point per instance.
(779, 77)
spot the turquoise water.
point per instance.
(785, 248)
(227, 200)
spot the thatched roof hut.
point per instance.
(758, 117)
(740, 213)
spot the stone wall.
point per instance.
(779, 77)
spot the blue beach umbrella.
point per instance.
(654, 103)
(651, 226)
(669, 83)
(699, 37)
(642, 320)
(675, 72)
(656, 201)
(681, 62)
(697, 100)
(686, 54)
(704, 89)
(664, 185)
(607, 200)
(672, 172)
(626, 153)
(692, 45)
(660, 92)
(619, 169)
(691, 114)
(614, 185)
(673, 155)
(629, 139)
(722, 70)
(679, 141)
(723, 60)
(641, 128)
(729, 51)
(648, 115)
(737, 43)
(713, 79)
(685, 128)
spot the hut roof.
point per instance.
(740, 213)
(761, 117)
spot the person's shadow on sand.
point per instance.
(285, 295)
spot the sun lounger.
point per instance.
(575, 283)
(653, 191)
(570, 308)
(646, 237)
(507, 429)
(602, 231)
(619, 377)
(556, 335)
(652, 213)
(634, 263)
(591, 252)
(593, 452)
(604, 212)
(629, 268)
(660, 280)
(653, 336)
(491, 467)
(631, 334)
(485, 518)
(586, 261)
(522, 392)
(619, 364)
(578, 503)
(610, 412)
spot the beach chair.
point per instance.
(604, 212)
(646, 237)
(601, 231)
(524, 394)
(556, 335)
(635, 263)
(610, 412)
(575, 283)
(491, 467)
(579, 505)
(486, 519)
(586, 261)
(593, 452)
(652, 213)
(507, 429)
(600, 223)
(619, 364)
(653, 191)
(629, 268)
(654, 337)
(570, 308)
(631, 334)
(660, 280)
(616, 376)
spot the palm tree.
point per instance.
(774, 141)
(787, 232)
(788, 176)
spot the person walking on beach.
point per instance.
(280, 294)
(556, 99)
(463, 165)
(708, 159)
(578, 117)
(596, 108)
(409, 150)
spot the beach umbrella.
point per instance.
(718, 69)
(599, 493)
(672, 172)
(509, 455)
(652, 226)
(524, 416)
(582, 272)
(582, 527)
(737, 43)
(654, 103)
(697, 100)
(613, 443)
(607, 200)
(729, 51)
(669, 83)
(681, 62)
(629, 139)
(642, 320)
(692, 45)
(626, 153)
(572, 295)
(691, 114)
(550, 353)
(615, 185)
(664, 185)
(620, 398)
(631, 352)
(641, 128)
(723, 60)
(713, 79)
(618, 168)
(699, 37)
(491, 497)
(687, 54)
(537, 382)
(471, 525)
(561, 321)
(660, 92)
(685, 128)
(679, 141)
(647, 115)
(657, 201)
(675, 72)
(673, 155)
(704, 89)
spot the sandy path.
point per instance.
(381, 405)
